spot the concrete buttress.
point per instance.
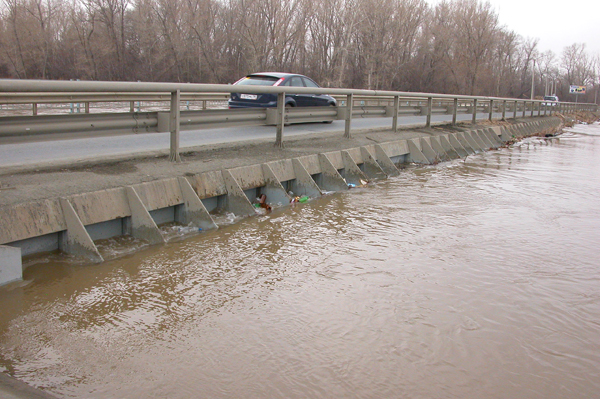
(193, 210)
(352, 172)
(303, 183)
(273, 189)
(76, 240)
(385, 162)
(237, 202)
(416, 155)
(372, 168)
(331, 179)
(142, 225)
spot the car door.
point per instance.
(314, 100)
(299, 99)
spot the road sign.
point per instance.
(577, 89)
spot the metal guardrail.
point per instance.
(356, 103)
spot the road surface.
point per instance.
(31, 154)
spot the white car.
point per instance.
(551, 101)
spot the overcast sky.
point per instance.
(555, 23)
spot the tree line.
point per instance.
(455, 46)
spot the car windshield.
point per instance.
(258, 81)
(550, 98)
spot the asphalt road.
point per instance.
(31, 154)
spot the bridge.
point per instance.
(195, 184)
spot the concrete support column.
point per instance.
(524, 108)
(280, 120)
(491, 110)
(11, 266)
(474, 120)
(504, 110)
(349, 106)
(174, 126)
(515, 110)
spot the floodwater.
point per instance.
(476, 278)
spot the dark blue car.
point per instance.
(241, 100)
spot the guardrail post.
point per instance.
(395, 119)
(349, 106)
(524, 108)
(515, 110)
(454, 111)
(35, 111)
(429, 108)
(504, 110)
(532, 108)
(280, 120)
(87, 107)
(174, 126)
(474, 120)
(131, 106)
(539, 109)
(491, 110)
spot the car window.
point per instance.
(296, 81)
(309, 83)
(258, 81)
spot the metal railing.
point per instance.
(351, 104)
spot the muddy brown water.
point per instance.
(477, 278)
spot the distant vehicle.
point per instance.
(241, 100)
(550, 101)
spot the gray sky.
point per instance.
(556, 23)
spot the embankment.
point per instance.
(70, 207)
